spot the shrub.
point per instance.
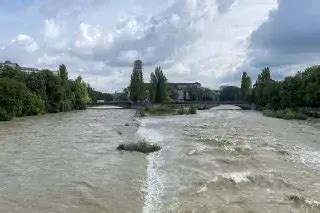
(158, 110)
(4, 115)
(287, 114)
(181, 111)
(34, 105)
(193, 110)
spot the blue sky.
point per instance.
(209, 41)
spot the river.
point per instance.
(220, 160)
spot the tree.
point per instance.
(230, 93)
(96, 95)
(12, 73)
(81, 93)
(201, 94)
(24, 94)
(265, 75)
(262, 88)
(17, 101)
(63, 73)
(153, 87)
(246, 87)
(54, 92)
(137, 88)
(158, 86)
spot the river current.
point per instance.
(220, 160)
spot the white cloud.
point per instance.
(51, 29)
(194, 40)
(26, 42)
(88, 36)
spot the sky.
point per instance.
(208, 41)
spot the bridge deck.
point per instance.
(199, 104)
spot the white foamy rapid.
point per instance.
(154, 183)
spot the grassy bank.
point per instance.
(287, 114)
(162, 110)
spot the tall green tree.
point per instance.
(153, 87)
(263, 88)
(63, 74)
(81, 93)
(158, 86)
(246, 87)
(137, 87)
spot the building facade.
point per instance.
(182, 90)
(25, 69)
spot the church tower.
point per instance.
(138, 65)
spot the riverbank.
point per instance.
(287, 114)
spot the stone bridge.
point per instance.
(198, 104)
(211, 104)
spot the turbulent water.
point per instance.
(68, 163)
(221, 160)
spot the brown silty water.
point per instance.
(221, 160)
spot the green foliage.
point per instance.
(193, 110)
(287, 114)
(26, 94)
(266, 91)
(137, 88)
(301, 90)
(159, 110)
(81, 93)
(12, 73)
(121, 96)
(153, 88)
(4, 115)
(96, 95)
(265, 75)
(310, 112)
(202, 94)
(230, 93)
(246, 87)
(17, 100)
(187, 110)
(158, 86)
(181, 111)
(63, 74)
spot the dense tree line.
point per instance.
(26, 94)
(230, 93)
(294, 92)
(202, 94)
(96, 95)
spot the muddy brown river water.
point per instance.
(220, 160)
